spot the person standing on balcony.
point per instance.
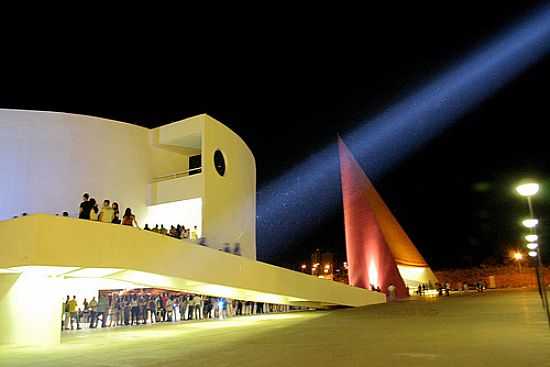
(85, 207)
(107, 213)
(94, 211)
(129, 219)
(194, 234)
(116, 214)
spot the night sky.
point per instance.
(289, 82)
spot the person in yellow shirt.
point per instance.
(73, 312)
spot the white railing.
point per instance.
(177, 174)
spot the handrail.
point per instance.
(176, 174)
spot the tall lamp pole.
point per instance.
(528, 190)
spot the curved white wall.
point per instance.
(229, 208)
(49, 159)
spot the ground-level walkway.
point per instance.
(503, 328)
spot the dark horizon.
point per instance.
(290, 95)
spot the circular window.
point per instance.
(219, 162)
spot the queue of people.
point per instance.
(178, 231)
(110, 213)
(141, 308)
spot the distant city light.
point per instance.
(532, 245)
(528, 189)
(532, 253)
(304, 266)
(518, 256)
(530, 223)
(532, 237)
(327, 266)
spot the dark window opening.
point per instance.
(195, 164)
(219, 162)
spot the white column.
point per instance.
(30, 309)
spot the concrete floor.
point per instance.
(505, 328)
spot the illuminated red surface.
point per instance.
(370, 259)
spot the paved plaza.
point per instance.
(501, 328)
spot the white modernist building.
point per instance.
(195, 172)
(165, 175)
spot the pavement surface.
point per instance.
(500, 328)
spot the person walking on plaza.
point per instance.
(143, 302)
(196, 307)
(93, 312)
(222, 308)
(134, 309)
(391, 292)
(169, 309)
(66, 314)
(73, 312)
(183, 308)
(160, 315)
(152, 308)
(126, 310)
(107, 213)
(114, 311)
(175, 308)
(102, 310)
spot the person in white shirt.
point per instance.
(93, 315)
(196, 307)
(107, 213)
(391, 292)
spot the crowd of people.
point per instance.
(143, 307)
(109, 213)
(178, 231)
(445, 288)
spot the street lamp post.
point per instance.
(528, 190)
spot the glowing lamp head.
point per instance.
(532, 253)
(518, 256)
(531, 238)
(303, 266)
(530, 223)
(528, 189)
(532, 245)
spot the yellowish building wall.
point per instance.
(230, 201)
(30, 309)
(65, 242)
